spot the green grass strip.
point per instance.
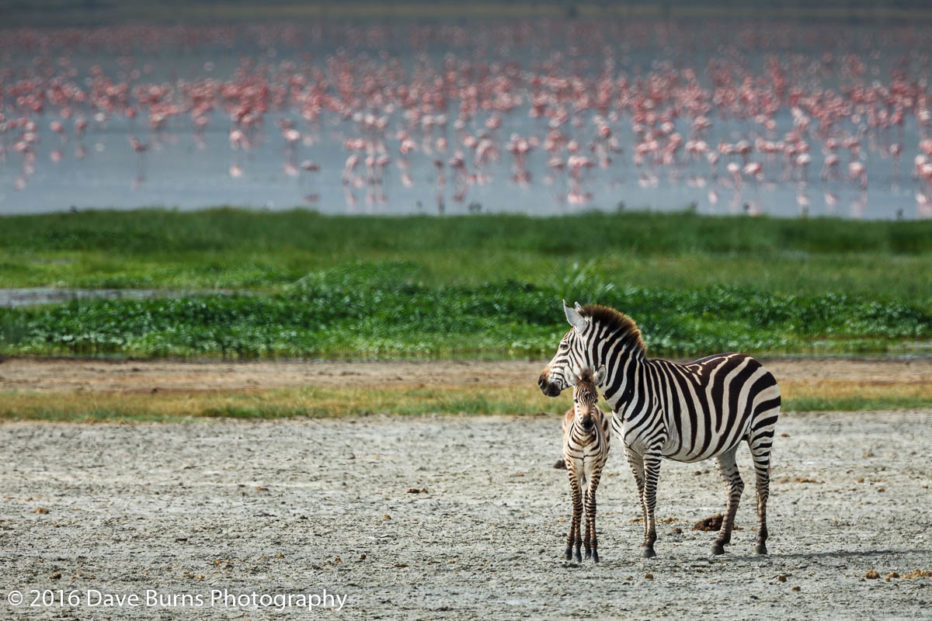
(479, 286)
(375, 312)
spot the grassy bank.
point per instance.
(238, 249)
(318, 286)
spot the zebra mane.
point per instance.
(623, 326)
(586, 387)
(587, 376)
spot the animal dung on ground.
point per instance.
(798, 480)
(710, 523)
(918, 573)
(414, 490)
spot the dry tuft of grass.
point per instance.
(855, 394)
(403, 399)
(280, 403)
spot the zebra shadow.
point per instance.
(828, 554)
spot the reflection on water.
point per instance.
(537, 117)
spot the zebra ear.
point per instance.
(574, 317)
(600, 375)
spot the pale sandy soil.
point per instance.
(292, 507)
(143, 376)
(193, 511)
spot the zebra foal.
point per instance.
(586, 438)
(684, 412)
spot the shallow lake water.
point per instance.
(537, 117)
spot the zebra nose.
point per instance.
(546, 387)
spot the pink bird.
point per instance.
(857, 172)
(350, 167)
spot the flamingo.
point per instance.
(140, 150)
(857, 172)
(470, 107)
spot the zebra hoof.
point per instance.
(588, 553)
(762, 548)
(648, 553)
(569, 554)
(718, 548)
(595, 556)
(578, 557)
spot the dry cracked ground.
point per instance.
(447, 517)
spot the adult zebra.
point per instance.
(685, 412)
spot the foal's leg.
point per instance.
(591, 540)
(573, 538)
(734, 486)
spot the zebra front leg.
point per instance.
(637, 467)
(651, 475)
(573, 538)
(735, 486)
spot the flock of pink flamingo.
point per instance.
(757, 112)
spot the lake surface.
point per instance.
(540, 117)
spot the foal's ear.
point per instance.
(600, 375)
(574, 317)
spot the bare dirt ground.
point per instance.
(131, 376)
(439, 517)
(187, 516)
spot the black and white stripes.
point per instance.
(587, 438)
(662, 409)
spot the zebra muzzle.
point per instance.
(548, 388)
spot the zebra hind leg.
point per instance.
(734, 486)
(760, 452)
